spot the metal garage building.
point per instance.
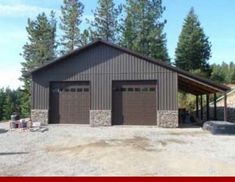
(103, 84)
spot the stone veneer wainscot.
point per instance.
(167, 119)
(39, 116)
(100, 118)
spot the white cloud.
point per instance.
(22, 10)
(10, 78)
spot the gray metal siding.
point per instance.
(101, 65)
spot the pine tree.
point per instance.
(233, 76)
(106, 21)
(52, 36)
(2, 98)
(8, 105)
(128, 27)
(41, 46)
(143, 28)
(72, 11)
(39, 50)
(24, 103)
(223, 73)
(194, 49)
(85, 37)
(218, 74)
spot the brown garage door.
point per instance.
(134, 103)
(69, 102)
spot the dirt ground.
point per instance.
(115, 151)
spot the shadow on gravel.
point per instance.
(13, 153)
(3, 131)
(41, 129)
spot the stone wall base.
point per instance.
(168, 119)
(100, 118)
(39, 116)
(165, 119)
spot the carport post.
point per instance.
(225, 107)
(201, 107)
(207, 107)
(197, 106)
(215, 107)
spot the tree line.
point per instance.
(137, 25)
(223, 73)
(12, 101)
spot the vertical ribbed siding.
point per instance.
(32, 94)
(40, 96)
(101, 65)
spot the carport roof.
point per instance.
(196, 87)
(186, 81)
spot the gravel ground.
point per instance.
(121, 151)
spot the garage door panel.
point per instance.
(69, 102)
(134, 103)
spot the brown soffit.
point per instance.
(195, 87)
(219, 87)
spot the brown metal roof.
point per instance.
(209, 86)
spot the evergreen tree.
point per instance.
(143, 28)
(8, 105)
(85, 37)
(17, 102)
(2, 98)
(53, 44)
(218, 74)
(24, 100)
(128, 26)
(41, 46)
(223, 73)
(39, 50)
(194, 49)
(233, 77)
(106, 21)
(71, 11)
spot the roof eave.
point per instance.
(154, 61)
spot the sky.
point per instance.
(216, 17)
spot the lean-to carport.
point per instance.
(200, 87)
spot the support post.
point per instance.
(207, 107)
(225, 107)
(201, 107)
(215, 107)
(197, 107)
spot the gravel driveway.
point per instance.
(81, 150)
